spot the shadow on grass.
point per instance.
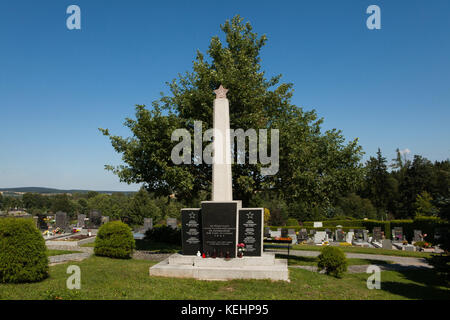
(421, 284)
(312, 261)
(156, 247)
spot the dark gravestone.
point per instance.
(377, 234)
(284, 233)
(329, 234)
(42, 224)
(340, 235)
(219, 223)
(191, 231)
(398, 233)
(303, 235)
(95, 219)
(250, 231)
(417, 235)
(267, 232)
(61, 220)
(81, 220)
(359, 235)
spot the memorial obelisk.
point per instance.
(222, 189)
(210, 234)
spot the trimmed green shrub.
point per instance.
(164, 234)
(114, 240)
(23, 255)
(333, 260)
(291, 222)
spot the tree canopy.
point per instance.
(315, 167)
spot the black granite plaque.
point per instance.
(191, 231)
(219, 221)
(95, 219)
(250, 231)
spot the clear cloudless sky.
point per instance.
(390, 88)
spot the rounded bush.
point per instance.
(115, 240)
(333, 260)
(23, 256)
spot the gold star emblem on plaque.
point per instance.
(221, 92)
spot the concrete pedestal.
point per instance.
(263, 267)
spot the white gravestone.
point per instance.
(320, 236)
(349, 237)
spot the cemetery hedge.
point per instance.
(115, 240)
(23, 253)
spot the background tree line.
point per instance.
(132, 208)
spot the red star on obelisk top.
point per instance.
(221, 93)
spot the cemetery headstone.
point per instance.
(386, 244)
(398, 234)
(172, 222)
(250, 226)
(275, 234)
(148, 224)
(418, 235)
(340, 235)
(303, 235)
(266, 232)
(81, 220)
(95, 219)
(349, 237)
(377, 234)
(318, 224)
(191, 233)
(320, 236)
(284, 233)
(219, 231)
(61, 220)
(365, 235)
(359, 236)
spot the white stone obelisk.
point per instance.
(222, 189)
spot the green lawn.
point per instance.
(59, 252)
(350, 249)
(312, 261)
(104, 278)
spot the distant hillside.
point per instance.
(52, 190)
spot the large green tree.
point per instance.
(315, 168)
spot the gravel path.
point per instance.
(147, 255)
(400, 261)
(86, 252)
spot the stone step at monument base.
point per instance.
(265, 267)
(266, 259)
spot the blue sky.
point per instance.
(389, 87)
